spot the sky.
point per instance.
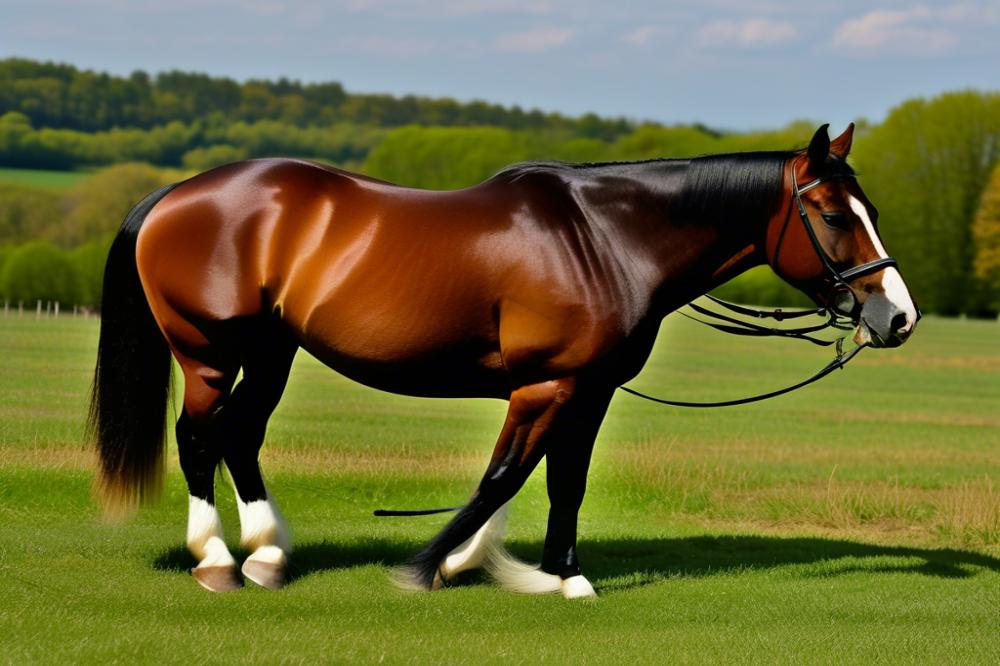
(728, 64)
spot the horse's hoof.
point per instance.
(266, 574)
(578, 587)
(218, 579)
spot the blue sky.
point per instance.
(739, 65)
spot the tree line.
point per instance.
(197, 145)
(930, 167)
(62, 96)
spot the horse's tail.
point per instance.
(128, 403)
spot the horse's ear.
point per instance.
(841, 146)
(819, 147)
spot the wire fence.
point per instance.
(45, 310)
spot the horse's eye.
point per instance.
(836, 220)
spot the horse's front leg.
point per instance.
(568, 461)
(560, 414)
(569, 444)
(521, 444)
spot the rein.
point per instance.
(735, 326)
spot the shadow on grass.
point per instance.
(628, 563)
(623, 564)
(311, 558)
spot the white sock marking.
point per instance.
(216, 554)
(262, 524)
(269, 554)
(204, 534)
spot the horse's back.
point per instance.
(365, 273)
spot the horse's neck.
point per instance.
(683, 258)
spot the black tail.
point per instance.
(128, 404)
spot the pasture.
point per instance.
(57, 180)
(855, 521)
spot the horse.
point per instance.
(544, 285)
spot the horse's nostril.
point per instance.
(898, 323)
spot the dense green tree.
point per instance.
(760, 286)
(986, 234)
(14, 126)
(445, 158)
(23, 146)
(97, 205)
(652, 141)
(61, 96)
(39, 270)
(5, 252)
(27, 213)
(202, 159)
(925, 169)
(88, 263)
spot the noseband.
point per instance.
(839, 296)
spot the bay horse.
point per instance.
(544, 285)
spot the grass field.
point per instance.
(42, 177)
(856, 521)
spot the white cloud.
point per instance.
(644, 35)
(534, 40)
(751, 32)
(914, 31)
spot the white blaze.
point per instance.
(892, 282)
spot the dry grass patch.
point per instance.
(48, 457)
(975, 363)
(406, 462)
(736, 484)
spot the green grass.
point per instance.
(42, 177)
(855, 521)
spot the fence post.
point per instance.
(20, 308)
(57, 309)
(38, 309)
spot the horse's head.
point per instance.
(825, 242)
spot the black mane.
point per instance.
(725, 189)
(710, 189)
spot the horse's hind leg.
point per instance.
(205, 390)
(267, 359)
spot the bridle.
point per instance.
(839, 296)
(841, 308)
